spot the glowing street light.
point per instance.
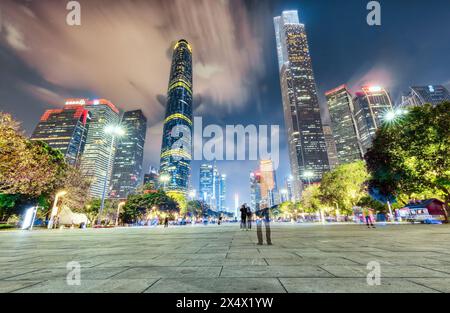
(55, 208)
(393, 115)
(114, 131)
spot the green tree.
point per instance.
(343, 187)
(195, 208)
(312, 199)
(412, 155)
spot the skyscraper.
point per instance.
(333, 160)
(94, 162)
(152, 178)
(420, 95)
(371, 105)
(223, 193)
(340, 106)
(307, 147)
(255, 190)
(65, 130)
(176, 150)
(212, 186)
(268, 182)
(127, 168)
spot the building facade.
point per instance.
(420, 95)
(268, 183)
(333, 160)
(307, 147)
(212, 187)
(152, 178)
(65, 130)
(176, 150)
(371, 105)
(340, 106)
(127, 168)
(95, 159)
(255, 190)
(223, 193)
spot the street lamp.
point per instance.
(308, 175)
(55, 208)
(113, 131)
(164, 179)
(393, 115)
(121, 204)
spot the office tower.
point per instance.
(287, 194)
(331, 146)
(307, 147)
(151, 179)
(209, 185)
(269, 190)
(99, 144)
(255, 190)
(420, 95)
(343, 125)
(223, 192)
(65, 130)
(371, 105)
(176, 150)
(127, 168)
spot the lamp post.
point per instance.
(114, 131)
(55, 208)
(121, 204)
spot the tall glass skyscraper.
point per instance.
(255, 190)
(340, 106)
(94, 162)
(65, 130)
(127, 169)
(223, 192)
(212, 187)
(420, 95)
(176, 150)
(307, 148)
(371, 105)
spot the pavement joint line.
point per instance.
(32, 285)
(432, 269)
(126, 269)
(151, 285)
(279, 280)
(221, 269)
(29, 272)
(266, 261)
(423, 285)
(321, 267)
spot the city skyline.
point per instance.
(32, 83)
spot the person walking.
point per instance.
(249, 217)
(243, 216)
(367, 215)
(263, 217)
(166, 222)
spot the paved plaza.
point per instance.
(304, 258)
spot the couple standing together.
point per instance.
(263, 216)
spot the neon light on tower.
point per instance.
(176, 147)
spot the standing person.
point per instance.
(220, 220)
(166, 222)
(263, 217)
(243, 216)
(249, 217)
(367, 216)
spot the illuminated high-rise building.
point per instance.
(307, 147)
(255, 190)
(340, 106)
(65, 130)
(176, 150)
(420, 95)
(333, 160)
(212, 187)
(223, 192)
(268, 182)
(95, 159)
(127, 169)
(371, 105)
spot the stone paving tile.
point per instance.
(440, 284)
(350, 285)
(61, 274)
(311, 261)
(170, 272)
(219, 285)
(143, 263)
(274, 271)
(204, 256)
(91, 286)
(221, 262)
(386, 271)
(10, 286)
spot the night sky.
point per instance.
(121, 52)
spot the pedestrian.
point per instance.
(243, 216)
(249, 218)
(367, 215)
(263, 218)
(166, 222)
(220, 220)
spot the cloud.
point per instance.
(44, 94)
(120, 52)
